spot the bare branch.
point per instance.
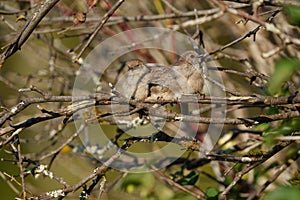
(27, 29)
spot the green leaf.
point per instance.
(190, 179)
(293, 14)
(284, 70)
(273, 110)
(283, 193)
(270, 140)
(262, 127)
(211, 193)
(132, 182)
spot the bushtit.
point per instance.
(160, 82)
(144, 81)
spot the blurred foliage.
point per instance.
(284, 69)
(211, 194)
(189, 179)
(283, 193)
(144, 186)
(293, 14)
(295, 180)
(287, 127)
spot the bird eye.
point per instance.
(192, 56)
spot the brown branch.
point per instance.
(12, 186)
(246, 121)
(104, 100)
(271, 2)
(68, 141)
(282, 168)
(28, 28)
(240, 13)
(46, 99)
(98, 171)
(20, 163)
(27, 123)
(239, 175)
(196, 192)
(144, 18)
(99, 27)
(249, 34)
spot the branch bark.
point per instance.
(27, 29)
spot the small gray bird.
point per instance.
(154, 82)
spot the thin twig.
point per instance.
(282, 168)
(239, 175)
(99, 27)
(20, 163)
(28, 28)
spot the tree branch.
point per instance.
(27, 29)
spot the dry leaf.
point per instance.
(79, 17)
(92, 3)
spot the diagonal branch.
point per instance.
(27, 29)
(99, 27)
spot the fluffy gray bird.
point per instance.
(154, 82)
